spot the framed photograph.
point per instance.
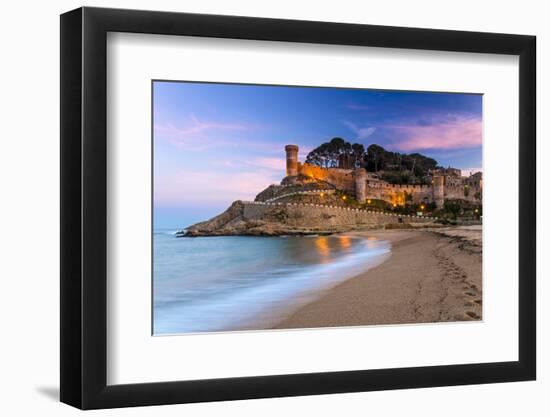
(258, 208)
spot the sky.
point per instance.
(217, 143)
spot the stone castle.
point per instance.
(311, 200)
(444, 184)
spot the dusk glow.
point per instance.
(216, 143)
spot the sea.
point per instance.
(230, 283)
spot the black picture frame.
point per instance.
(84, 207)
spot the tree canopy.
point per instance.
(378, 159)
(329, 154)
(394, 167)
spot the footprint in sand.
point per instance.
(473, 315)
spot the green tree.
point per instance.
(378, 159)
(375, 158)
(327, 154)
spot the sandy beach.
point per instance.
(432, 275)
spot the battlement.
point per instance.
(447, 183)
(325, 217)
(342, 208)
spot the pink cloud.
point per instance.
(196, 134)
(469, 171)
(184, 186)
(361, 132)
(266, 163)
(276, 164)
(450, 133)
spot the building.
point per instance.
(446, 183)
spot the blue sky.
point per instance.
(216, 143)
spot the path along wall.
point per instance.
(319, 216)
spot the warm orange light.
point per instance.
(321, 244)
(345, 242)
(422, 207)
(322, 194)
(368, 201)
(344, 197)
(394, 205)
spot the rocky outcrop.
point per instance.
(275, 219)
(299, 185)
(229, 218)
(234, 221)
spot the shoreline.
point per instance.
(430, 276)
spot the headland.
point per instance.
(352, 193)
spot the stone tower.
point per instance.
(291, 160)
(438, 184)
(361, 185)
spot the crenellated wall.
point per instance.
(447, 184)
(397, 194)
(342, 179)
(453, 192)
(317, 216)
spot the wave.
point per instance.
(166, 232)
(273, 293)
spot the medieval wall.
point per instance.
(448, 186)
(396, 194)
(344, 179)
(341, 178)
(316, 216)
(453, 192)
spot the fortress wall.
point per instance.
(307, 196)
(269, 192)
(423, 195)
(344, 179)
(453, 192)
(341, 178)
(394, 193)
(323, 217)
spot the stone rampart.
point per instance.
(461, 192)
(302, 215)
(302, 193)
(342, 179)
(397, 194)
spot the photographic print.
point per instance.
(297, 207)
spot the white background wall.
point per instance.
(29, 225)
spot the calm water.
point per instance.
(228, 283)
